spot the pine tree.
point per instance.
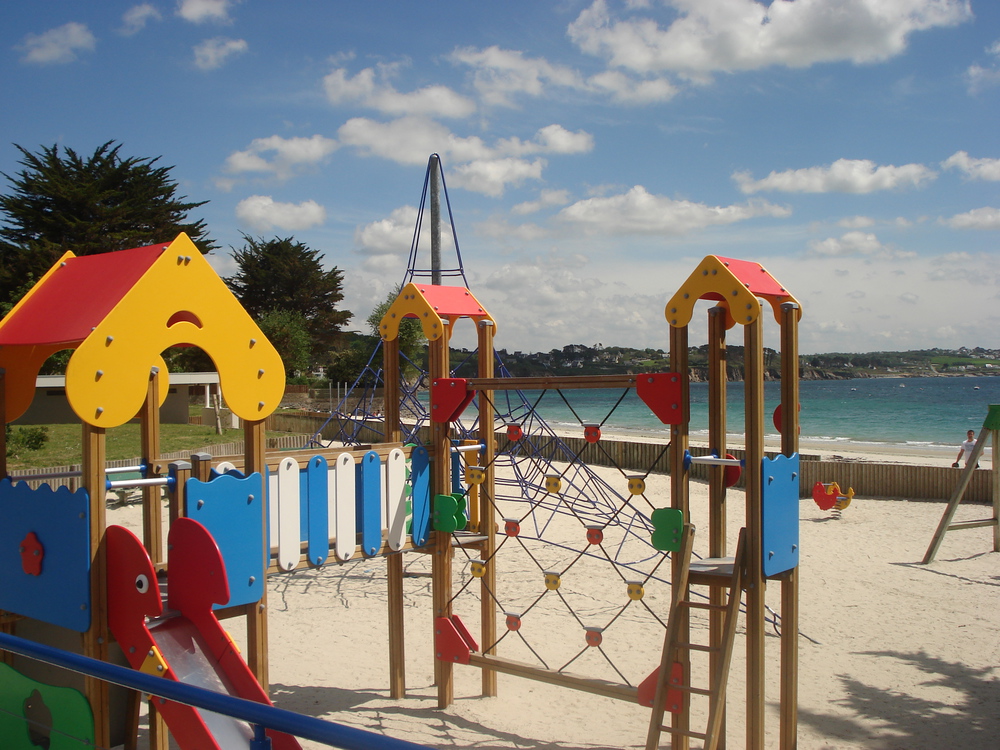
(283, 274)
(62, 201)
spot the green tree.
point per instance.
(411, 335)
(283, 274)
(347, 363)
(287, 331)
(62, 201)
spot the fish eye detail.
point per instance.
(141, 583)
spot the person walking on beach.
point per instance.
(967, 447)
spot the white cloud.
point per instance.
(280, 157)
(371, 89)
(843, 176)
(263, 213)
(59, 45)
(212, 53)
(473, 164)
(628, 90)
(979, 78)
(386, 243)
(976, 169)
(135, 18)
(500, 229)
(500, 75)
(546, 199)
(492, 176)
(977, 218)
(706, 36)
(391, 235)
(200, 11)
(852, 244)
(856, 222)
(640, 212)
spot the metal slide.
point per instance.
(186, 643)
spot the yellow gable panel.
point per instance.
(179, 300)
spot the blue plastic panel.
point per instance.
(60, 520)
(370, 492)
(316, 513)
(780, 501)
(420, 478)
(232, 509)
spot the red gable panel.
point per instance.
(76, 297)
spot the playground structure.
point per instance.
(271, 513)
(990, 432)
(118, 312)
(770, 519)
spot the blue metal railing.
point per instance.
(257, 714)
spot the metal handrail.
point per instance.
(258, 714)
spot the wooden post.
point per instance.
(956, 496)
(95, 640)
(149, 440)
(789, 713)
(254, 461)
(679, 498)
(717, 384)
(995, 476)
(6, 626)
(487, 515)
(441, 575)
(152, 522)
(3, 423)
(753, 361)
(394, 562)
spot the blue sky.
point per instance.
(594, 150)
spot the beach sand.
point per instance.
(893, 654)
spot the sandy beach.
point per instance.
(894, 655)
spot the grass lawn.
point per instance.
(64, 444)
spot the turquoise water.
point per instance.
(879, 411)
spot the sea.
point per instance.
(922, 412)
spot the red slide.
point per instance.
(187, 643)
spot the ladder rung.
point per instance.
(972, 524)
(699, 647)
(689, 689)
(704, 605)
(683, 732)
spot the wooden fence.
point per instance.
(867, 479)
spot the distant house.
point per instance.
(50, 405)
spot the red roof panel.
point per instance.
(76, 297)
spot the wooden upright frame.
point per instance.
(738, 287)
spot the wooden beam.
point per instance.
(486, 512)
(718, 377)
(149, 445)
(789, 688)
(254, 461)
(95, 640)
(3, 423)
(552, 677)
(753, 384)
(995, 435)
(542, 383)
(439, 366)
(394, 562)
(152, 525)
(679, 498)
(956, 496)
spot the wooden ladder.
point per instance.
(725, 574)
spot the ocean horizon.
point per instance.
(916, 412)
